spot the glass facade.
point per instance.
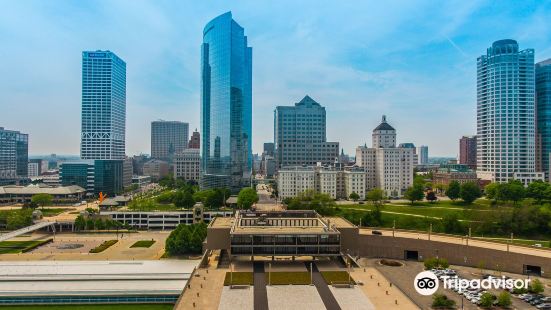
(14, 156)
(103, 106)
(168, 138)
(226, 105)
(543, 105)
(109, 177)
(505, 111)
(81, 174)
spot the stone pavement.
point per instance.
(351, 298)
(287, 297)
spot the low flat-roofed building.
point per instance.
(280, 233)
(156, 220)
(22, 194)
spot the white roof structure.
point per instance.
(32, 190)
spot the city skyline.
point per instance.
(292, 58)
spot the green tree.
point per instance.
(431, 196)
(186, 239)
(504, 299)
(453, 191)
(514, 191)
(183, 199)
(354, 196)
(536, 286)
(537, 190)
(246, 198)
(42, 200)
(487, 300)
(451, 223)
(441, 301)
(490, 191)
(414, 193)
(80, 223)
(16, 219)
(469, 192)
(376, 196)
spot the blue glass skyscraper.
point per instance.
(543, 106)
(226, 105)
(103, 106)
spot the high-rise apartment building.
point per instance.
(300, 135)
(543, 114)
(506, 113)
(103, 106)
(467, 151)
(269, 149)
(226, 105)
(14, 156)
(387, 167)
(168, 138)
(423, 155)
(195, 140)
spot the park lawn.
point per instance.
(238, 278)
(544, 243)
(337, 277)
(13, 247)
(286, 278)
(54, 211)
(94, 307)
(143, 244)
(104, 246)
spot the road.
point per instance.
(265, 201)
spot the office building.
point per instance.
(268, 166)
(187, 165)
(467, 151)
(41, 164)
(226, 105)
(423, 155)
(300, 135)
(387, 167)
(78, 173)
(543, 114)
(269, 148)
(447, 173)
(156, 169)
(195, 140)
(111, 177)
(14, 156)
(103, 106)
(411, 146)
(506, 131)
(168, 138)
(32, 170)
(337, 182)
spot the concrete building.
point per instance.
(335, 181)
(156, 169)
(23, 194)
(226, 105)
(268, 166)
(422, 155)
(454, 172)
(141, 180)
(195, 140)
(467, 151)
(103, 106)
(543, 115)
(300, 135)
(269, 148)
(387, 167)
(32, 170)
(168, 138)
(14, 156)
(411, 146)
(250, 233)
(37, 166)
(506, 130)
(187, 165)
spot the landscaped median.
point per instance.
(337, 277)
(288, 278)
(238, 278)
(104, 246)
(14, 247)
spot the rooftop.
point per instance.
(31, 190)
(384, 125)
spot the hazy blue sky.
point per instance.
(414, 61)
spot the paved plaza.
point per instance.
(237, 298)
(351, 298)
(304, 297)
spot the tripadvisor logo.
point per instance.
(426, 283)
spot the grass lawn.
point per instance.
(10, 247)
(285, 278)
(143, 244)
(104, 246)
(331, 277)
(93, 307)
(54, 211)
(155, 207)
(239, 278)
(544, 243)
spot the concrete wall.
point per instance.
(457, 254)
(218, 238)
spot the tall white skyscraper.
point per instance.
(103, 106)
(423, 154)
(506, 113)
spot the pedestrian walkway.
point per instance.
(260, 293)
(25, 230)
(323, 290)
